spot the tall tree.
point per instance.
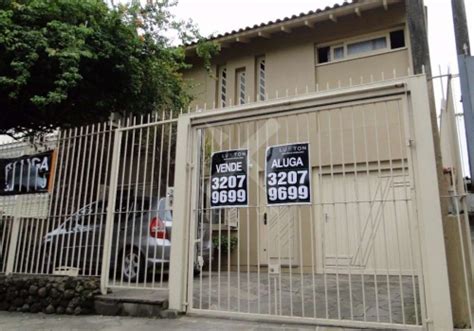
(65, 63)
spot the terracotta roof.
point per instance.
(270, 23)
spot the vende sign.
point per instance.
(27, 174)
(229, 171)
(288, 174)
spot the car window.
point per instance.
(162, 212)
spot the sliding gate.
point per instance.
(353, 255)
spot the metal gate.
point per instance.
(354, 256)
(139, 205)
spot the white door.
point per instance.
(365, 222)
(278, 233)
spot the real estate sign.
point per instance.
(288, 174)
(229, 178)
(26, 174)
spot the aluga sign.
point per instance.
(288, 174)
(26, 174)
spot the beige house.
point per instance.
(361, 220)
(345, 45)
(326, 50)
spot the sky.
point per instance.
(219, 16)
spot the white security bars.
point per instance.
(62, 232)
(140, 215)
(23, 217)
(352, 256)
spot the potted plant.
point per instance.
(223, 245)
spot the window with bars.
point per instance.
(260, 83)
(240, 83)
(222, 87)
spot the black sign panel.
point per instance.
(25, 175)
(229, 171)
(288, 174)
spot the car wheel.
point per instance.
(133, 265)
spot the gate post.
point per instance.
(109, 221)
(179, 244)
(428, 207)
(15, 232)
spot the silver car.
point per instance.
(141, 240)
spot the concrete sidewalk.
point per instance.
(21, 321)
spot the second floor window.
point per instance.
(240, 83)
(351, 49)
(260, 83)
(222, 87)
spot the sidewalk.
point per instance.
(20, 321)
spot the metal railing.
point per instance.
(364, 253)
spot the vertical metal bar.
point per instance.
(85, 201)
(135, 204)
(70, 203)
(333, 200)
(142, 211)
(53, 219)
(106, 132)
(128, 212)
(152, 181)
(396, 220)
(88, 197)
(219, 239)
(248, 215)
(229, 141)
(180, 244)
(35, 241)
(104, 276)
(266, 210)
(279, 248)
(65, 212)
(92, 198)
(358, 202)
(291, 230)
(108, 171)
(300, 236)
(258, 207)
(323, 215)
(121, 173)
(312, 226)
(12, 250)
(75, 207)
(158, 191)
(3, 248)
(367, 165)
(167, 185)
(202, 162)
(193, 197)
(211, 211)
(382, 199)
(23, 239)
(346, 216)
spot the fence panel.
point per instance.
(350, 257)
(141, 214)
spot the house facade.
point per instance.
(361, 215)
(356, 43)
